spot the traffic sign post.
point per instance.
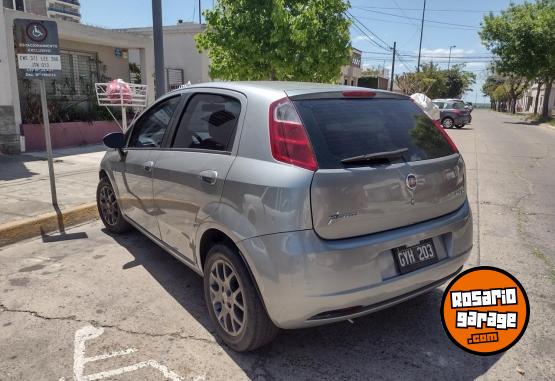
(37, 49)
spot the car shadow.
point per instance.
(406, 341)
(523, 123)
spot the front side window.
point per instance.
(209, 123)
(149, 130)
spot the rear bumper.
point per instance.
(463, 119)
(306, 281)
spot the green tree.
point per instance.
(500, 97)
(436, 82)
(491, 83)
(304, 40)
(523, 37)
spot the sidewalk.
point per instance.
(25, 185)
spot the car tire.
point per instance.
(447, 123)
(108, 208)
(240, 318)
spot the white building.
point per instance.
(67, 10)
(528, 100)
(351, 73)
(88, 55)
(182, 60)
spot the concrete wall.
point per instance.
(37, 7)
(67, 134)
(528, 100)
(9, 127)
(180, 51)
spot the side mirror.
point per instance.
(114, 140)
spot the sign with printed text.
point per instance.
(37, 48)
(485, 310)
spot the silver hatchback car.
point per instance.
(300, 204)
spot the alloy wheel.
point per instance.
(226, 297)
(109, 205)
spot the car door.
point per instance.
(189, 175)
(133, 173)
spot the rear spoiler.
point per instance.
(346, 92)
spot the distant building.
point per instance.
(67, 10)
(182, 60)
(350, 74)
(528, 100)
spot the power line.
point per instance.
(425, 20)
(387, 47)
(432, 10)
(417, 27)
(486, 57)
(370, 39)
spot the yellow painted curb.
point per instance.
(46, 223)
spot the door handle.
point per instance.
(209, 177)
(148, 166)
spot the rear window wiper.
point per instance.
(378, 156)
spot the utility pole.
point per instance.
(158, 37)
(449, 62)
(199, 12)
(392, 75)
(421, 35)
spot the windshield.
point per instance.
(344, 128)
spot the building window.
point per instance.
(18, 5)
(79, 74)
(174, 78)
(356, 60)
(346, 82)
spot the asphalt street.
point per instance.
(120, 308)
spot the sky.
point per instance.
(378, 23)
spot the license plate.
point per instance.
(414, 257)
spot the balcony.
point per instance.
(70, 2)
(64, 11)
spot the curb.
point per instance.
(547, 125)
(13, 232)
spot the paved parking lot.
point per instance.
(119, 308)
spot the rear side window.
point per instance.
(345, 128)
(209, 123)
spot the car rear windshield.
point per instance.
(344, 128)
(458, 105)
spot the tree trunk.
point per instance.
(537, 98)
(545, 109)
(513, 105)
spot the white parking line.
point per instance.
(79, 360)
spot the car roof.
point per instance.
(289, 87)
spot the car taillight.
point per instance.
(358, 94)
(445, 135)
(288, 138)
